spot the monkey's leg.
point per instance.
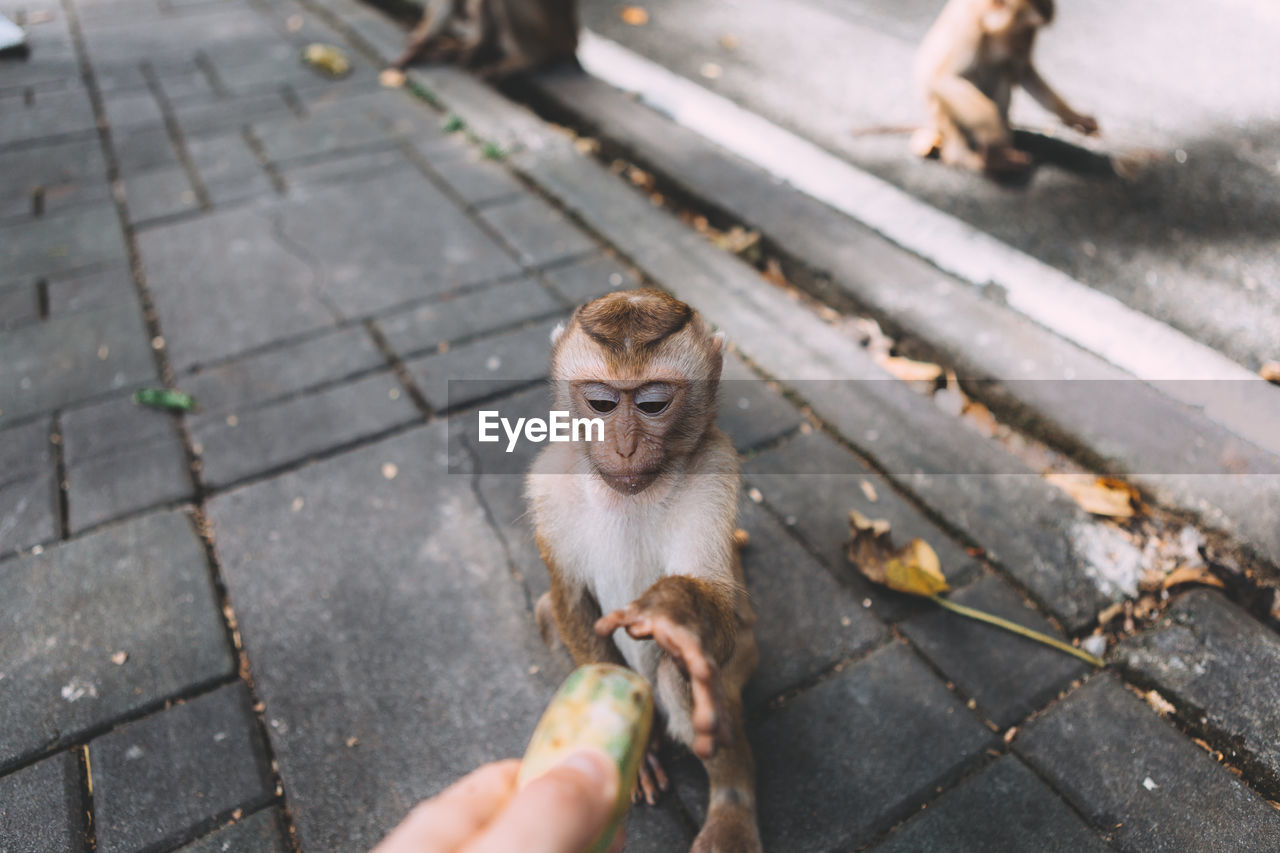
(435, 18)
(982, 125)
(731, 823)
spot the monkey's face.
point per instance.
(645, 425)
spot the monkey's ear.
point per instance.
(557, 333)
(717, 342)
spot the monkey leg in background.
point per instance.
(637, 531)
(495, 37)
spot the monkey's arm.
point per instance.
(693, 621)
(1040, 90)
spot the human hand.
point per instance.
(561, 811)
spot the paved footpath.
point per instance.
(280, 621)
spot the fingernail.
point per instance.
(596, 766)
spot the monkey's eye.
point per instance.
(603, 406)
(653, 399)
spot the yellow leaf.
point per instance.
(1098, 495)
(635, 16)
(915, 570)
(1270, 372)
(859, 522)
(909, 370)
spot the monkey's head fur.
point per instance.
(1017, 16)
(648, 366)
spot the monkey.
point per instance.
(440, 34)
(966, 70)
(497, 37)
(638, 535)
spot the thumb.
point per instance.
(562, 811)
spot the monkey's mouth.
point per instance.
(628, 484)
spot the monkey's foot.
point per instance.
(926, 143)
(729, 829)
(710, 725)
(1007, 160)
(653, 779)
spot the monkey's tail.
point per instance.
(883, 130)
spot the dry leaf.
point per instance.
(909, 370)
(1192, 574)
(1099, 495)
(118, 658)
(869, 490)
(859, 522)
(913, 569)
(635, 16)
(1271, 372)
(741, 538)
(1159, 704)
(711, 71)
(391, 78)
(729, 42)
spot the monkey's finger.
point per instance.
(655, 766)
(613, 620)
(445, 822)
(648, 788)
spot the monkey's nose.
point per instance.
(625, 443)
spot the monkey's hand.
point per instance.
(1087, 125)
(645, 618)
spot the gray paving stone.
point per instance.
(389, 240)
(131, 108)
(71, 358)
(658, 829)
(160, 778)
(424, 328)
(750, 411)
(236, 446)
(500, 483)
(1136, 777)
(345, 167)
(73, 239)
(483, 368)
(260, 832)
(813, 483)
(159, 193)
(477, 180)
(97, 288)
(333, 128)
(213, 115)
(429, 630)
(202, 273)
(585, 279)
(1221, 669)
(142, 149)
(118, 484)
(284, 371)
(110, 425)
(50, 113)
(25, 449)
(1008, 676)
(845, 760)
(67, 174)
(141, 587)
(19, 306)
(229, 169)
(42, 807)
(1006, 808)
(538, 231)
(807, 622)
(28, 511)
